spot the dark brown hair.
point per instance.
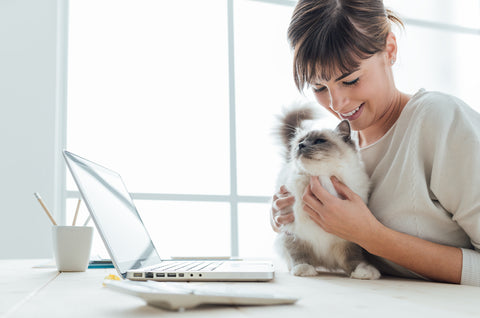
(330, 36)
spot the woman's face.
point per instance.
(362, 96)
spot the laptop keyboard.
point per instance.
(187, 266)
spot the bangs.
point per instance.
(331, 48)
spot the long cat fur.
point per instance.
(323, 153)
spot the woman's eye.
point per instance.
(319, 89)
(350, 83)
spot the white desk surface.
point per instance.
(43, 292)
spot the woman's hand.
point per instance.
(282, 209)
(347, 217)
(350, 219)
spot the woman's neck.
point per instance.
(373, 133)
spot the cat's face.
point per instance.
(312, 148)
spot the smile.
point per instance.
(351, 113)
(354, 114)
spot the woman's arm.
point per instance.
(438, 262)
(351, 219)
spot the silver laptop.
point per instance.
(128, 242)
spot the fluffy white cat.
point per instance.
(323, 153)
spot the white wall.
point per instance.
(30, 115)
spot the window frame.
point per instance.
(234, 199)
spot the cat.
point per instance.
(323, 153)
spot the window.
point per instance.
(439, 46)
(179, 97)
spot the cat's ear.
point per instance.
(343, 130)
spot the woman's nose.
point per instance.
(337, 100)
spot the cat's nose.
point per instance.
(301, 145)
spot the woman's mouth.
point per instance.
(354, 114)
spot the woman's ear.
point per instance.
(391, 48)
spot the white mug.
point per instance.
(71, 247)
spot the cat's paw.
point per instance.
(304, 270)
(365, 271)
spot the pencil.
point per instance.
(44, 207)
(76, 212)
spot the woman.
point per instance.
(421, 151)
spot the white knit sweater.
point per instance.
(425, 175)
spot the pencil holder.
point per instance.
(71, 247)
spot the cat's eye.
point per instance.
(319, 141)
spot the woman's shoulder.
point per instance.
(435, 102)
(435, 118)
(436, 109)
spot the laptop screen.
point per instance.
(114, 213)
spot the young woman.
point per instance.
(421, 151)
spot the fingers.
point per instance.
(314, 215)
(282, 200)
(279, 219)
(315, 193)
(313, 207)
(283, 203)
(316, 198)
(310, 199)
(344, 191)
(283, 190)
(318, 190)
(282, 209)
(284, 219)
(324, 196)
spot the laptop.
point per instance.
(128, 243)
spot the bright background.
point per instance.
(180, 98)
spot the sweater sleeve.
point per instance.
(470, 267)
(453, 149)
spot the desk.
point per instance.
(43, 292)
